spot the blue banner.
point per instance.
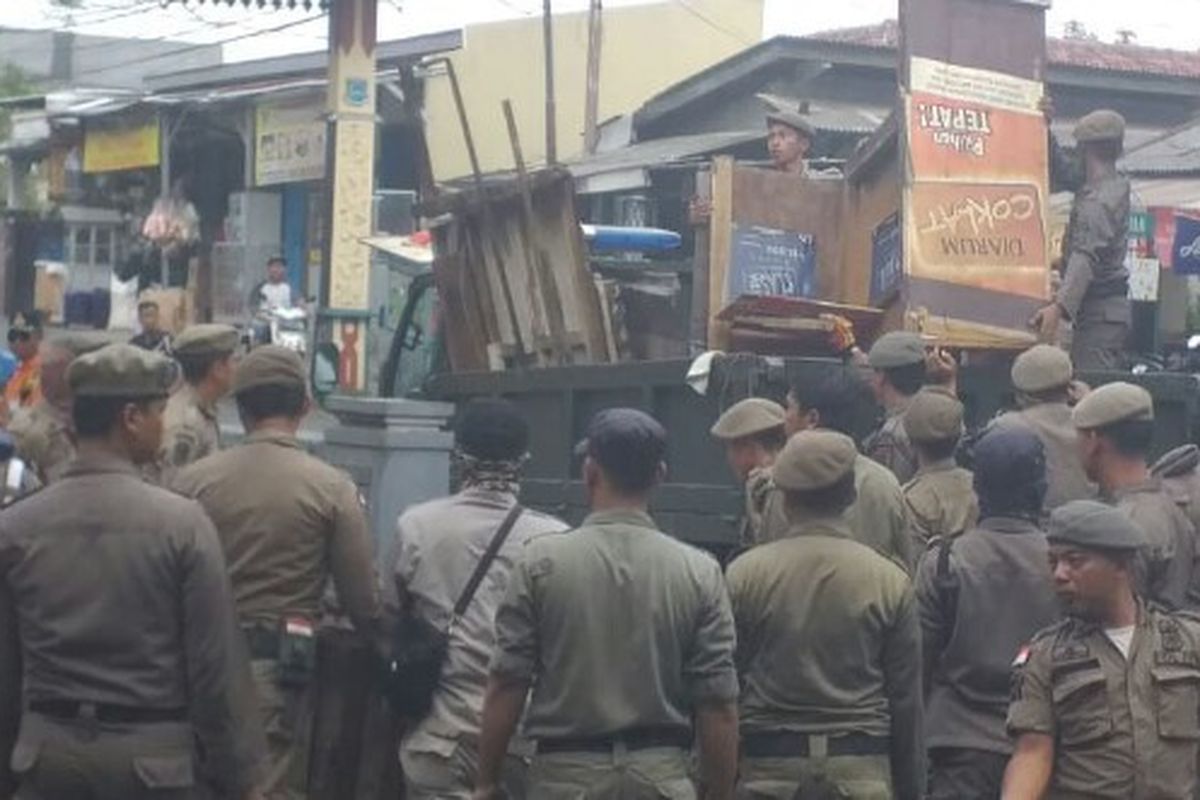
(1186, 250)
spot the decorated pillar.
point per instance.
(351, 106)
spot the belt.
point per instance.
(263, 643)
(789, 744)
(632, 739)
(103, 712)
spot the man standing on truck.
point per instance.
(1095, 287)
(753, 434)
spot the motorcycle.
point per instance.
(286, 327)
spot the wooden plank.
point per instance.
(698, 328)
(720, 240)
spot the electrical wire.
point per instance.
(695, 12)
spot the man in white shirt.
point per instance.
(276, 292)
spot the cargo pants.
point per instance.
(650, 774)
(866, 777)
(437, 768)
(1101, 335)
(287, 719)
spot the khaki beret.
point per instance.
(814, 460)
(207, 339)
(933, 416)
(121, 370)
(897, 349)
(794, 120)
(78, 342)
(1041, 368)
(1091, 524)
(1113, 403)
(750, 416)
(270, 365)
(1100, 126)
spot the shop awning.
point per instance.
(306, 5)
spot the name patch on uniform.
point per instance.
(1177, 658)
(1070, 651)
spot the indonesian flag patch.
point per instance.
(1022, 657)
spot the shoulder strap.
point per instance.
(947, 587)
(485, 562)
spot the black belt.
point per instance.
(263, 643)
(104, 712)
(633, 739)
(789, 744)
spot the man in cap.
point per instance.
(1042, 378)
(838, 401)
(288, 523)
(1104, 703)
(24, 388)
(119, 650)
(897, 361)
(438, 546)
(206, 354)
(1094, 292)
(753, 434)
(941, 498)
(828, 646)
(995, 572)
(1116, 425)
(790, 136)
(43, 431)
(620, 637)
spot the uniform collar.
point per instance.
(941, 465)
(818, 525)
(100, 465)
(1001, 524)
(274, 437)
(623, 516)
(209, 410)
(899, 408)
(1148, 486)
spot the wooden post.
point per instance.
(551, 113)
(591, 108)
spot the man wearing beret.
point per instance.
(897, 362)
(288, 523)
(1116, 426)
(753, 434)
(1093, 295)
(1042, 378)
(981, 596)
(206, 354)
(829, 649)
(941, 497)
(119, 649)
(1104, 703)
(618, 638)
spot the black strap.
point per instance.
(485, 562)
(947, 586)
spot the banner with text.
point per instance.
(289, 144)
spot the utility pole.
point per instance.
(551, 114)
(591, 108)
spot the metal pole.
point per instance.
(591, 108)
(551, 114)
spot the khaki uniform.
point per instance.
(890, 446)
(190, 429)
(995, 572)
(1095, 287)
(43, 436)
(941, 502)
(1167, 564)
(622, 630)
(831, 694)
(1065, 478)
(288, 522)
(1123, 727)
(437, 547)
(1181, 480)
(114, 593)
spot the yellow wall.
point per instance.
(646, 49)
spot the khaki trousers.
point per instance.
(828, 778)
(448, 772)
(650, 774)
(287, 719)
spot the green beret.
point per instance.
(121, 370)
(1100, 126)
(750, 416)
(897, 349)
(814, 460)
(933, 416)
(794, 120)
(206, 340)
(1113, 403)
(1041, 368)
(1091, 524)
(270, 365)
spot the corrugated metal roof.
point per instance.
(1175, 153)
(660, 152)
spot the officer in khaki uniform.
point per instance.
(288, 522)
(753, 434)
(1042, 379)
(1179, 471)
(1104, 704)
(982, 596)
(897, 361)
(621, 637)
(877, 517)
(119, 650)
(829, 649)
(1116, 425)
(1094, 294)
(206, 353)
(941, 498)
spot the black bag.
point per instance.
(419, 648)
